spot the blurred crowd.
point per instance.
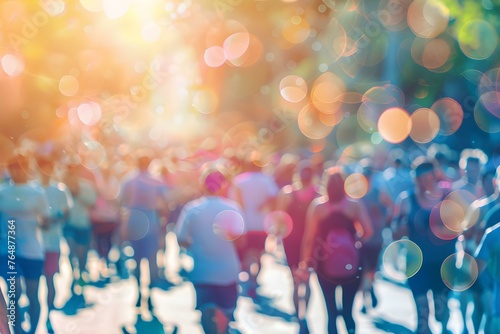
(438, 209)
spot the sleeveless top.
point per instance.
(297, 209)
(426, 229)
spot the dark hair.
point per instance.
(335, 179)
(424, 167)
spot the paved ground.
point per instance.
(114, 307)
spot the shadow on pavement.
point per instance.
(265, 306)
(75, 303)
(153, 326)
(390, 327)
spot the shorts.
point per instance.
(428, 278)
(222, 296)
(30, 269)
(81, 236)
(253, 242)
(370, 257)
(51, 265)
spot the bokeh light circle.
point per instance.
(438, 227)
(433, 54)
(215, 56)
(137, 225)
(91, 154)
(278, 223)
(459, 271)
(436, 54)
(427, 18)
(89, 113)
(454, 208)
(402, 259)
(326, 93)
(450, 115)
(293, 88)
(478, 39)
(394, 125)
(236, 45)
(205, 101)
(374, 102)
(485, 111)
(310, 124)
(296, 30)
(425, 125)
(228, 225)
(68, 85)
(92, 5)
(488, 81)
(12, 65)
(356, 185)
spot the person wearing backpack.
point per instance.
(335, 227)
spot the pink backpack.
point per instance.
(336, 250)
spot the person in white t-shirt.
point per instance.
(78, 230)
(256, 193)
(206, 228)
(24, 210)
(60, 202)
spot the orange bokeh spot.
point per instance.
(296, 30)
(450, 115)
(394, 125)
(427, 19)
(436, 53)
(425, 125)
(356, 185)
(310, 123)
(327, 92)
(293, 88)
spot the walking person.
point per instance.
(295, 200)
(78, 229)
(141, 197)
(335, 219)
(414, 211)
(60, 203)
(378, 205)
(105, 219)
(488, 259)
(256, 192)
(24, 208)
(206, 228)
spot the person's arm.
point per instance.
(43, 213)
(182, 228)
(311, 231)
(235, 194)
(399, 223)
(482, 253)
(284, 198)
